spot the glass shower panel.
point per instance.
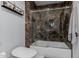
(50, 25)
(38, 25)
(54, 25)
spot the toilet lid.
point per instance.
(24, 52)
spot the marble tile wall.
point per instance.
(28, 32)
(41, 28)
(37, 28)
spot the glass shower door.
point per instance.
(54, 24)
(39, 20)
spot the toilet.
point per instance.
(23, 52)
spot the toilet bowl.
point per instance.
(23, 52)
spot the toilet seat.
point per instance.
(23, 52)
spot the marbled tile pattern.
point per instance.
(37, 28)
(40, 28)
(28, 32)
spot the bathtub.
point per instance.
(52, 49)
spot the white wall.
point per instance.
(12, 31)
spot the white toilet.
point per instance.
(23, 52)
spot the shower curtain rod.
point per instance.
(50, 9)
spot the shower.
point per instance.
(51, 24)
(50, 28)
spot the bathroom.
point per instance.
(45, 29)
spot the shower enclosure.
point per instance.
(51, 25)
(50, 29)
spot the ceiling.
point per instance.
(39, 3)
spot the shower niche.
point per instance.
(50, 25)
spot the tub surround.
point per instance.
(28, 22)
(41, 25)
(28, 33)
